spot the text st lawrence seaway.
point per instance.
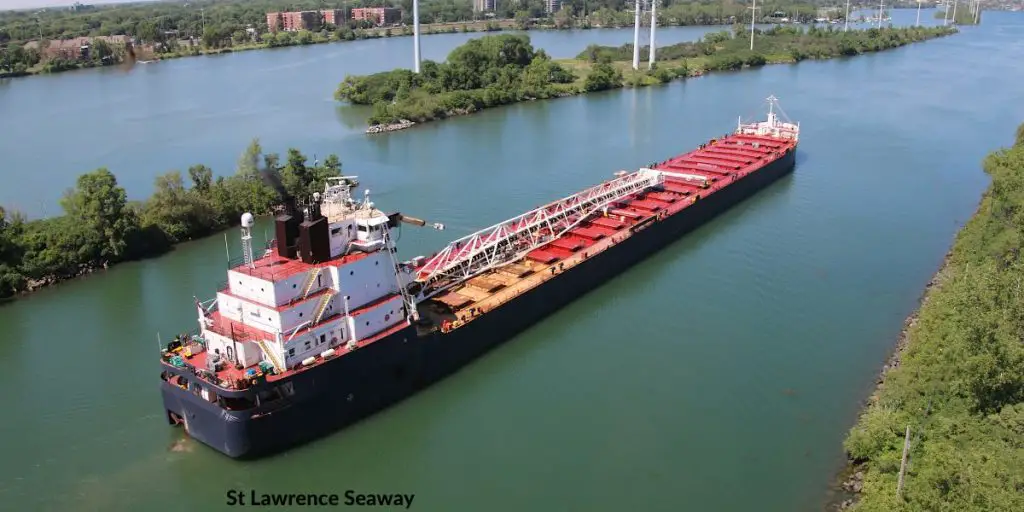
(252, 498)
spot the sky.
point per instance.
(6, 5)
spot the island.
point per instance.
(502, 69)
(944, 429)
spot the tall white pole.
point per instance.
(654, 26)
(954, 11)
(753, 16)
(847, 18)
(918, 24)
(416, 34)
(977, 11)
(945, 15)
(881, 9)
(636, 37)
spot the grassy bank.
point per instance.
(958, 378)
(101, 227)
(504, 69)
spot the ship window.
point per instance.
(351, 272)
(323, 338)
(291, 352)
(294, 285)
(300, 315)
(361, 228)
(367, 322)
(335, 231)
(307, 345)
(376, 263)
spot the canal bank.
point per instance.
(956, 380)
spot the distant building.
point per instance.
(378, 15)
(78, 47)
(303, 20)
(483, 5)
(552, 6)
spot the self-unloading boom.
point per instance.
(508, 241)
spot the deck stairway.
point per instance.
(322, 307)
(307, 285)
(271, 356)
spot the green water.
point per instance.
(720, 374)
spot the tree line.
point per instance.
(726, 50)
(503, 69)
(960, 381)
(100, 227)
(224, 22)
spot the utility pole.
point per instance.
(753, 17)
(918, 24)
(977, 11)
(416, 35)
(954, 10)
(881, 9)
(945, 14)
(654, 26)
(847, 18)
(636, 36)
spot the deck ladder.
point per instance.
(310, 279)
(271, 355)
(322, 307)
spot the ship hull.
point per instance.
(330, 396)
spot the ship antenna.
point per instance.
(247, 223)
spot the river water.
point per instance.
(720, 374)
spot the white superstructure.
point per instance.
(287, 310)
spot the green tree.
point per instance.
(181, 214)
(602, 76)
(202, 178)
(295, 176)
(99, 204)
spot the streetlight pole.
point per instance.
(416, 35)
(847, 18)
(753, 16)
(918, 24)
(654, 26)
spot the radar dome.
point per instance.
(247, 220)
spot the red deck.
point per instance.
(719, 163)
(275, 268)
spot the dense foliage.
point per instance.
(960, 383)
(724, 50)
(223, 20)
(484, 72)
(101, 227)
(503, 69)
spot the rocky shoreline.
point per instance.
(850, 481)
(392, 127)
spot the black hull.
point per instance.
(338, 392)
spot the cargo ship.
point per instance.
(327, 326)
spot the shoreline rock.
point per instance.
(392, 127)
(850, 481)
